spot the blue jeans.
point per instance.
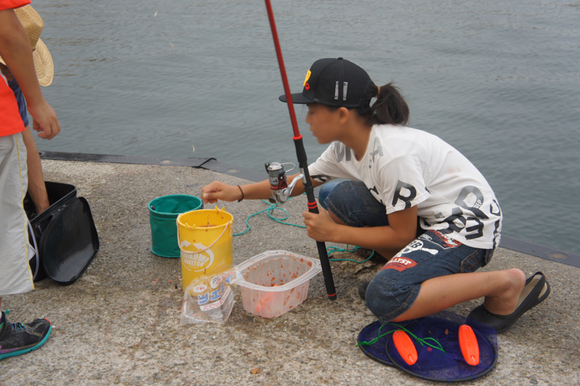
(396, 286)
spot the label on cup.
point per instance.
(198, 262)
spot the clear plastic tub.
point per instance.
(274, 282)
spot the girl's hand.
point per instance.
(210, 194)
(319, 226)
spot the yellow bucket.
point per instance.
(205, 240)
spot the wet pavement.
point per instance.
(119, 322)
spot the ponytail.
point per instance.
(389, 108)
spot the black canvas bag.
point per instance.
(64, 236)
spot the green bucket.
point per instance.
(163, 212)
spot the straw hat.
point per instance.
(32, 23)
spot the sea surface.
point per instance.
(499, 80)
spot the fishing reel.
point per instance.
(279, 182)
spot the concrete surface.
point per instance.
(119, 323)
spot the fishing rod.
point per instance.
(301, 155)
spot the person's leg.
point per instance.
(350, 203)
(433, 273)
(501, 290)
(15, 275)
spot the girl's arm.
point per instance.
(386, 240)
(215, 191)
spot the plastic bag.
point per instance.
(209, 299)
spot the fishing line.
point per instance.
(331, 249)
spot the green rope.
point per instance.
(422, 341)
(270, 212)
(332, 249)
(373, 341)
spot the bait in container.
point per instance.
(274, 282)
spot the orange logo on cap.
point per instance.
(306, 85)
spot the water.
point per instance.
(499, 80)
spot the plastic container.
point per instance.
(205, 239)
(274, 282)
(163, 212)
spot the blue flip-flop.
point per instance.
(535, 291)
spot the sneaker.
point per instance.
(19, 338)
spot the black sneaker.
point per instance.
(362, 290)
(19, 338)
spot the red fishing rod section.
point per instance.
(302, 159)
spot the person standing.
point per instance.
(44, 66)
(15, 275)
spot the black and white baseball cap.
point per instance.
(334, 82)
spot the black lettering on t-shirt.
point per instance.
(377, 149)
(375, 192)
(341, 151)
(496, 233)
(455, 223)
(320, 178)
(475, 231)
(465, 193)
(409, 189)
(494, 208)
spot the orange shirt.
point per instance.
(10, 4)
(10, 121)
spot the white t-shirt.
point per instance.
(404, 167)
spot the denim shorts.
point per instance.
(395, 287)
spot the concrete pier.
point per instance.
(119, 322)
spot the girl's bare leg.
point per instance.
(501, 290)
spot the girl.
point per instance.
(404, 193)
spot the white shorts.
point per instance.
(15, 274)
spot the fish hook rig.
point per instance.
(279, 182)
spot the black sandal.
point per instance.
(535, 291)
